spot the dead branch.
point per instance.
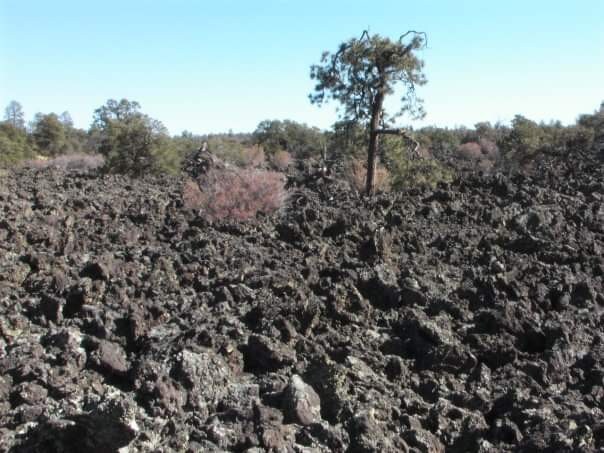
(404, 35)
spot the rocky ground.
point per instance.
(466, 318)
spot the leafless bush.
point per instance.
(192, 197)
(489, 149)
(252, 156)
(68, 162)
(237, 194)
(281, 160)
(470, 151)
(356, 175)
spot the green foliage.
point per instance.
(49, 134)
(347, 139)
(593, 121)
(363, 68)
(299, 140)
(524, 141)
(592, 127)
(361, 74)
(406, 173)
(185, 143)
(14, 145)
(228, 149)
(131, 141)
(442, 142)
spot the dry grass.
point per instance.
(356, 175)
(281, 160)
(67, 162)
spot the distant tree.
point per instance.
(362, 73)
(347, 140)
(49, 134)
(523, 142)
(298, 139)
(442, 142)
(65, 118)
(131, 141)
(271, 135)
(13, 114)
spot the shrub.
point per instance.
(356, 174)
(236, 194)
(131, 141)
(68, 162)
(470, 151)
(192, 197)
(482, 155)
(252, 156)
(281, 160)
(489, 149)
(14, 145)
(233, 151)
(408, 173)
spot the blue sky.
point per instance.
(210, 66)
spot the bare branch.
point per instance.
(404, 35)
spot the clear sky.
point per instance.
(211, 66)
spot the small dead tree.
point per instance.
(361, 74)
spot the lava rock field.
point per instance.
(466, 318)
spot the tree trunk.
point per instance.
(376, 113)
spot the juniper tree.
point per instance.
(131, 141)
(362, 73)
(49, 134)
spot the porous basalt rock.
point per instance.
(464, 318)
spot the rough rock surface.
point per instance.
(466, 318)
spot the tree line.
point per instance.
(359, 75)
(134, 143)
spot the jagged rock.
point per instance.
(301, 403)
(464, 318)
(424, 441)
(111, 358)
(263, 353)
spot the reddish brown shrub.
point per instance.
(281, 160)
(237, 194)
(192, 197)
(470, 151)
(253, 156)
(356, 175)
(489, 149)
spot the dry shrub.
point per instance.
(236, 194)
(424, 153)
(281, 160)
(470, 151)
(489, 149)
(68, 162)
(356, 175)
(192, 197)
(252, 156)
